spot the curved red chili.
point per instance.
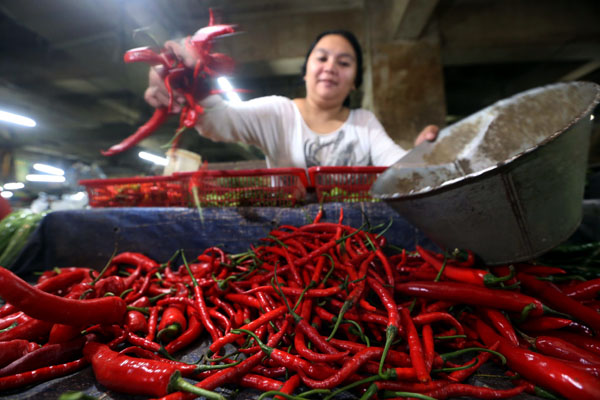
(545, 371)
(159, 116)
(44, 306)
(138, 376)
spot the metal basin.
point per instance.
(506, 182)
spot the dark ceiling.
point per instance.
(62, 65)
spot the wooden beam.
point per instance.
(581, 71)
(411, 16)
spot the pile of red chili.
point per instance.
(308, 312)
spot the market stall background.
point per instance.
(431, 61)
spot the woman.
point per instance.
(318, 129)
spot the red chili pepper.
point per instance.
(289, 386)
(229, 374)
(459, 390)
(415, 347)
(50, 354)
(32, 329)
(586, 342)
(193, 332)
(159, 116)
(41, 305)
(259, 382)
(544, 324)
(13, 349)
(472, 294)
(467, 275)
(502, 324)
(586, 290)
(482, 358)
(61, 333)
(431, 317)
(349, 367)
(545, 371)
(563, 349)
(172, 323)
(217, 345)
(41, 374)
(136, 322)
(556, 299)
(17, 317)
(138, 376)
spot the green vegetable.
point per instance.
(20, 228)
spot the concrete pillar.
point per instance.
(405, 86)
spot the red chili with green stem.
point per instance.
(201, 305)
(468, 275)
(561, 302)
(192, 333)
(304, 351)
(355, 294)
(288, 360)
(230, 374)
(501, 323)
(544, 371)
(349, 367)
(231, 337)
(48, 307)
(473, 295)
(172, 323)
(137, 376)
(393, 325)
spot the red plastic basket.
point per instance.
(344, 184)
(250, 187)
(148, 191)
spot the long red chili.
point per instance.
(393, 325)
(159, 116)
(472, 294)
(545, 371)
(557, 347)
(556, 299)
(131, 375)
(415, 347)
(468, 275)
(13, 349)
(48, 307)
(41, 374)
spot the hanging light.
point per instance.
(44, 178)
(48, 169)
(17, 119)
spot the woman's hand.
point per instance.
(156, 94)
(429, 133)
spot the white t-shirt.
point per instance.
(274, 124)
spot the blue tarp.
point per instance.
(89, 237)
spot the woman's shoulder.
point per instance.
(362, 116)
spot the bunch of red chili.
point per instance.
(322, 308)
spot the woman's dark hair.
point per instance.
(349, 36)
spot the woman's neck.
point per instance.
(322, 118)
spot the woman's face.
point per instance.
(330, 69)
